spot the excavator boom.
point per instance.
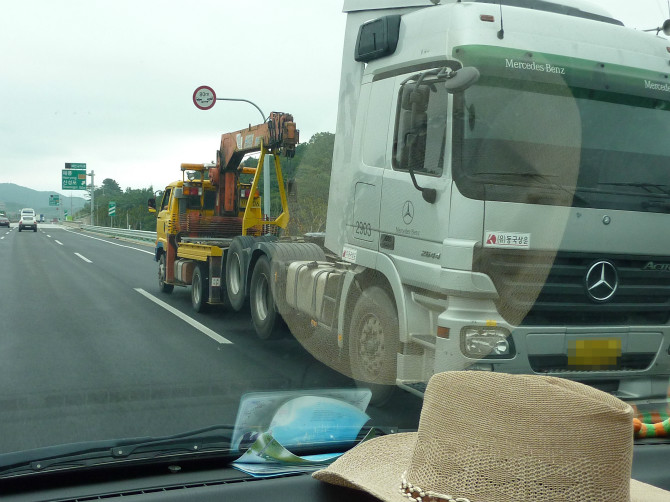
(278, 136)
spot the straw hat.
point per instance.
(495, 437)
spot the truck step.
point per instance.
(427, 341)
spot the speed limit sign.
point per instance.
(204, 97)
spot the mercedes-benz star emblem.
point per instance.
(407, 212)
(601, 281)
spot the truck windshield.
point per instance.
(529, 142)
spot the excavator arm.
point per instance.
(278, 136)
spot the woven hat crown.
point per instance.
(498, 437)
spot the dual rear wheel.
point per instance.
(199, 288)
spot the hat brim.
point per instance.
(642, 492)
(376, 467)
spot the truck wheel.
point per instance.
(235, 272)
(373, 344)
(199, 289)
(165, 288)
(225, 299)
(261, 302)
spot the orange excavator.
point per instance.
(278, 136)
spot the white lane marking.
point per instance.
(84, 258)
(114, 243)
(59, 242)
(204, 329)
(2, 237)
(48, 236)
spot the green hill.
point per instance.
(15, 197)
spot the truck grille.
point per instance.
(540, 288)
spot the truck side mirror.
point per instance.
(152, 205)
(666, 28)
(414, 125)
(462, 79)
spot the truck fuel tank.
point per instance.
(313, 288)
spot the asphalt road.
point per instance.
(90, 349)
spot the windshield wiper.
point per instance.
(649, 204)
(646, 186)
(215, 438)
(546, 180)
(211, 440)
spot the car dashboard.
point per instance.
(215, 480)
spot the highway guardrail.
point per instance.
(122, 233)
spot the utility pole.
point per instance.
(92, 175)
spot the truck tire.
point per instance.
(236, 271)
(224, 298)
(373, 344)
(199, 289)
(165, 288)
(267, 321)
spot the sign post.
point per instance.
(112, 210)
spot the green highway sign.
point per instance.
(74, 179)
(54, 200)
(112, 208)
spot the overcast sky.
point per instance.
(110, 82)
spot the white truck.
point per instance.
(499, 200)
(511, 224)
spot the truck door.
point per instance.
(412, 228)
(371, 136)
(163, 215)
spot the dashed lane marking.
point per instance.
(201, 327)
(84, 258)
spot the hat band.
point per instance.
(413, 492)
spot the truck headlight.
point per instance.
(486, 342)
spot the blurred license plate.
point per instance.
(600, 353)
